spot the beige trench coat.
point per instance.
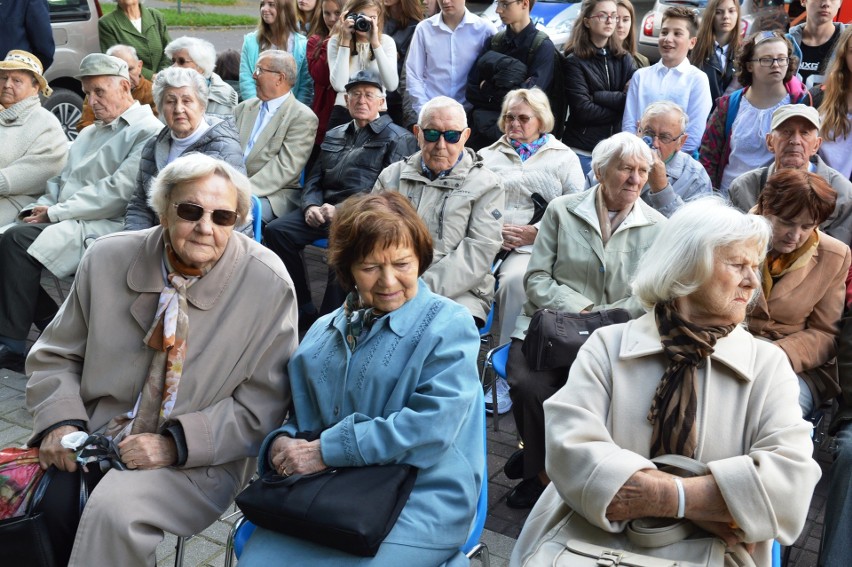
(90, 365)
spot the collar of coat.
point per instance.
(146, 270)
(737, 351)
(583, 206)
(456, 176)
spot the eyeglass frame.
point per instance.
(181, 61)
(609, 18)
(656, 135)
(772, 61)
(523, 119)
(213, 213)
(358, 95)
(258, 70)
(436, 135)
(502, 5)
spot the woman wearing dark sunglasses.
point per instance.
(164, 346)
(181, 96)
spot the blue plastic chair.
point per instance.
(256, 217)
(495, 360)
(320, 243)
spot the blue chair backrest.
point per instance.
(257, 216)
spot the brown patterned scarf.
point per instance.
(167, 336)
(675, 403)
(776, 265)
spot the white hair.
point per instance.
(202, 52)
(682, 257)
(177, 77)
(120, 49)
(618, 148)
(440, 103)
(282, 62)
(663, 108)
(193, 166)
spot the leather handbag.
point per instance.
(554, 337)
(646, 542)
(349, 508)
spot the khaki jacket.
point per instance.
(464, 214)
(750, 433)
(802, 315)
(280, 152)
(570, 268)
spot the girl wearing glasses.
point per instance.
(718, 41)
(278, 28)
(835, 109)
(351, 50)
(597, 72)
(734, 141)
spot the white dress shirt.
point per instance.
(685, 85)
(439, 59)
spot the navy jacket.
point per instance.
(25, 24)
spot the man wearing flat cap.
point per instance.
(40, 149)
(794, 140)
(87, 199)
(351, 158)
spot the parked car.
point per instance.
(649, 29)
(554, 17)
(75, 32)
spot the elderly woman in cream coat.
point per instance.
(187, 389)
(40, 149)
(606, 424)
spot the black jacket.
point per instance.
(350, 160)
(595, 93)
(719, 80)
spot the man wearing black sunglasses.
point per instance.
(351, 157)
(459, 200)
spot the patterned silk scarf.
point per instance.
(167, 336)
(358, 319)
(675, 403)
(776, 266)
(526, 151)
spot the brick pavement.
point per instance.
(502, 525)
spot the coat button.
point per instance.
(336, 410)
(601, 269)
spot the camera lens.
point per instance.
(362, 23)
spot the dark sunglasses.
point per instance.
(451, 136)
(181, 61)
(192, 213)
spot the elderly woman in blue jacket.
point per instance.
(390, 377)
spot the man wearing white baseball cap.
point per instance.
(87, 199)
(794, 140)
(40, 150)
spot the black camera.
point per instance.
(362, 23)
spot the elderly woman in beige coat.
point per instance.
(686, 379)
(174, 342)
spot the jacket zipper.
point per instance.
(608, 80)
(441, 217)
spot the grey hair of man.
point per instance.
(195, 166)
(177, 77)
(280, 62)
(663, 108)
(611, 151)
(441, 103)
(682, 257)
(123, 52)
(201, 51)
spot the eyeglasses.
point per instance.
(664, 138)
(451, 136)
(181, 61)
(769, 61)
(606, 18)
(359, 95)
(258, 70)
(522, 118)
(505, 5)
(193, 213)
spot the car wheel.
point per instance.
(67, 106)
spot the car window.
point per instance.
(69, 10)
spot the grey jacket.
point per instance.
(745, 189)
(687, 181)
(220, 141)
(464, 213)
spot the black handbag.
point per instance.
(25, 540)
(349, 508)
(554, 337)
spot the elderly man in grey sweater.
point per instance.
(675, 177)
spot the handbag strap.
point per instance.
(657, 532)
(41, 489)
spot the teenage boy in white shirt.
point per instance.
(672, 78)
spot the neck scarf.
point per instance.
(526, 151)
(608, 225)
(675, 403)
(359, 319)
(776, 266)
(167, 336)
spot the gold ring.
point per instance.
(284, 471)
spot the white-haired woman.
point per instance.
(530, 161)
(586, 252)
(181, 95)
(729, 401)
(200, 380)
(200, 54)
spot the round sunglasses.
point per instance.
(193, 213)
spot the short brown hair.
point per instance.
(375, 221)
(789, 192)
(746, 54)
(683, 13)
